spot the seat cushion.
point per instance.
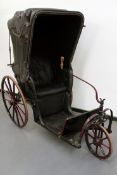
(52, 104)
(51, 89)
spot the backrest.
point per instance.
(49, 83)
(41, 71)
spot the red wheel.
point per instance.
(14, 101)
(98, 141)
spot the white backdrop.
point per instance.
(96, 53)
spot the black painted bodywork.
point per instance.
(40, 37)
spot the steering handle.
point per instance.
(99, 100)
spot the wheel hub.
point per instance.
(13, 102)
(98, 141)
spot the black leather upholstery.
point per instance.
(41, 71)
(52, 104)
(52, 89)
(47, 80)
(49, 84)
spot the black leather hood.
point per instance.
(20, 23)
(22, 27)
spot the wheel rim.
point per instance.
(14, 101)
(98, 141)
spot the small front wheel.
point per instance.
(98, 141)
(14, 101)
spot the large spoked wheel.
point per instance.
(98, 141)
(14, 101)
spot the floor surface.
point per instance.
(35, 151)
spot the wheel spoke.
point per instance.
(91, 135)
(9, 91)
(9, 85)
(17, 117)
(99, 133)
(14, 90)
(20, 115)
(104, 138)
(10, 107)
(102, 151)
(96, 149)
(6, 92)
(20, 109)
(7, 88)
(105, 145)
(95, 133)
